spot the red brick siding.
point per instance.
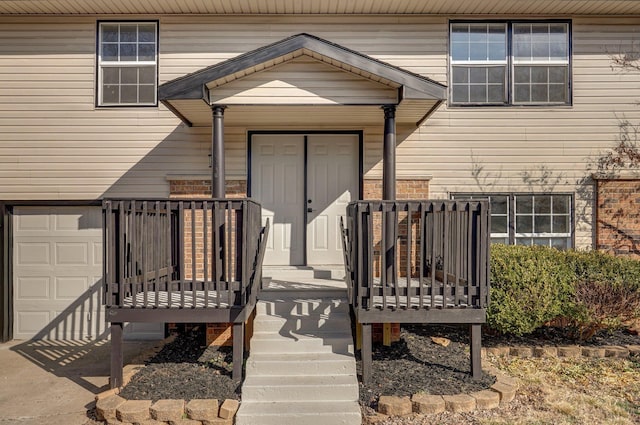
(618, 217)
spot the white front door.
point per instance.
(277, 182)
(332, 182)
(278, 176)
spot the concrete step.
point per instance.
(300, 307)
(300, 364)
(333, 322)
(300, 388)
(300, 273)
(331, 342)
(299, 413)
(290, 295)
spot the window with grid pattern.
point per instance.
(127, 63)
(509, 63)
(529, 219)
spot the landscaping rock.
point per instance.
(106, 407)
(459, 403)
(427, 403)
(634, 350)
(185, 422)
(545, 351)
(134, 411)
(395, 406)
(524, 352)
(203, 409)
(571, 351)
(441, 341)
(218, 421)
(498, 351)
(486, 399)
(593, 352)
(228, 409)
(507, 392)
(167, 410)
(616, 351)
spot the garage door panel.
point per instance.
(68, 287)
(71, 253)
(33, 288)
(32, 222)
(86, 221)
(31, 322)
(58, 275)
(33, 254)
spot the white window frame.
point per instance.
(103, 64)
(512, 235)
(511, 63)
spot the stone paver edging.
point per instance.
(113, 409)
(500, 393)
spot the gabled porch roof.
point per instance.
(190, 97)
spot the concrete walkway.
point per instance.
(55, 382)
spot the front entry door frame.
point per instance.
(358, 133)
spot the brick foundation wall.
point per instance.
(199, 188)
(405, 189)
(618, 217)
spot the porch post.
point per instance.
(389, 188)
(389, 154)
(217, 153)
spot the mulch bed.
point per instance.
(416, 364)
(186, 369)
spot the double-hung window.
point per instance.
(127, 63)
(529, 219)
(509, 63)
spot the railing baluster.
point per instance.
(434, 257)
(383, 256)
(181, 250)
(227, 253)
(215, 263)
(370, 239)
(169, 251)
(422, 232)
(157, 243)
(469, 263)
(205, 249)
(144, 247)
(194, 269)
(457, 239)
(241, 216)
(409, 257)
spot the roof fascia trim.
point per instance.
(191, 85)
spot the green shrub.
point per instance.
(590, 290)
(530, 286)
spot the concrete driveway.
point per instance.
(55, 382)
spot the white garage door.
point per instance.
(57, 269)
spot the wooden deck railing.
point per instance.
(182, 253)
(417, 255)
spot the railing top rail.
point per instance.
(198, 202)
(405, 204)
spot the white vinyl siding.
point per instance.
(55, 143)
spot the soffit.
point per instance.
(330, 7)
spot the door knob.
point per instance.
(309, 209)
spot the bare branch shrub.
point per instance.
(606, 305)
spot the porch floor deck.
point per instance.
(174, 299)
